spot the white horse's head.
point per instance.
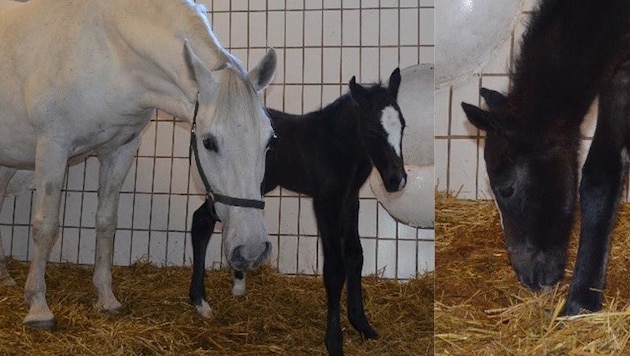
(233, 134)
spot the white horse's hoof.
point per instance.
(44, 320)
(112, 307)
(47, 325)
(204, 309)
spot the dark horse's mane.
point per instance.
(331, 110)
(565, 56)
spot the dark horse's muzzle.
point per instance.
(395, 181)
(538, 270)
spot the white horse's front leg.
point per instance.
(5, 177)
(113, 170)
(50, 167)
(239, 288)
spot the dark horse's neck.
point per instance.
(567, 53)
(339, 122)
(344, 118)
(317, 148)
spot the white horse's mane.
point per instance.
(235, 83)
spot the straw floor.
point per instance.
(481, 309)
(279, 316)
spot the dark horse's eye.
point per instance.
(210, 143)
(273, 140)
(505, 192)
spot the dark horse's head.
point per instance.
(384, 125)
(533, 174)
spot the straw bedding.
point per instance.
(280, 315)
(481, 308)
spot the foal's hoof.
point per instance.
(334, 343)
(369, 333)
(239, 290)
(361, 325)
(46, 325)
(204, 309)
(583, 302)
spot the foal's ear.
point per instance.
(495, 100)
(394, 82)
(264, 71)
(200, 73)
(482, 119)
(358, 93)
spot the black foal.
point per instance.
(328, 155)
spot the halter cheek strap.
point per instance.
(213, 196)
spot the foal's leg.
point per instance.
(114, 165)
(327, 214)
(239, 288)
(50, 167)
(353, 256)
(5, 177)
(602, 178)
(201, 231)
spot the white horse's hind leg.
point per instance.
(239, 288)
(114, 167)
(5, 177)
(50, 167)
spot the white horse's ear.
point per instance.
(198, 69)
(264, 71)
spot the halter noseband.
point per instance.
(213, 196)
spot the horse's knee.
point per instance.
(106, 225)
(45, 228)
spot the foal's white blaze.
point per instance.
(390, 119)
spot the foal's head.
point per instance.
(233, 133)
(533, 174)
(384, 126)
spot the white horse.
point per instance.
(80, 76)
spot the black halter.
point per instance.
(213, 196)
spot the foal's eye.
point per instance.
(506, 192)
(210, 143)
(271, 144)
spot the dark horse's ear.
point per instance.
(358, 93)
(394, 82)
(482, 119)
(495, 100)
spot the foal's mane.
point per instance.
(344, 99)
(569, 49)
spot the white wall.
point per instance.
(320, 45)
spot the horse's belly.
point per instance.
(18, 141)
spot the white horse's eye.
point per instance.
(210, 143)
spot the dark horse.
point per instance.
(572, 52)
(327, 154)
